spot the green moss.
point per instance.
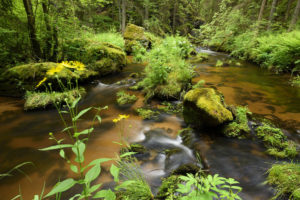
(133, 32)
(286, 178)
(205, 107)
(168, 188)
(200, 57)
(41, 100)
(170, 152)
(239, 126)
(138, 148)
(125, 98)
(276, 142)
(199, 84)
(186, 169)
(147, 113)
(219, 63)
(295, 81)
(186, 135)
(171, 108)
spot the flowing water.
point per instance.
(23, 133)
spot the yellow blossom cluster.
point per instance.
(116, 120)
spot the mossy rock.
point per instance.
(135, 35)
(239, 127)
(186, 169)
(26, 77)
(204, 107)
(276, 142)
(286, 178)
(42, 100)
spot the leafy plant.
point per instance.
(125, 98)
(208, 188)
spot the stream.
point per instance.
(23, 133)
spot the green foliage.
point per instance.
(286, 179)
(240, 124)
(168, 188)
(199, 84)
(208, 188)
(296, 81)
(276, 142)
(147, 113)
(167, 74)
(219, 63)
(171, 108)
(38, 100)
(200, 57)
(125, 98)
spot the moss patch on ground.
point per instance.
(239, 127)
(200, 57)
(147, 113)
(276, 142)
(125, 98)
(41, 100)
(205, 108)
(286, 179)
(135, 36)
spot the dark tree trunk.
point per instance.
(48, 47)
(288, 8)
(31, 29)
(273, 9)
(174, 16)
(123, 16)
(147, 9)
(262, 8)
(295, 16)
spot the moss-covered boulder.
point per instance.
(133, 36)
(205, 107)
(16, 80)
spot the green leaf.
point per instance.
(99, 161)
(62, 153)
(62, 186)
(127, 154)
(94, 188)
(92, 174)
(80, 114)
(99, 118)
(68, 128)
(84, 132)
(75, 102)
(78, 149)
(106, 194)
(74, 168)
(115, 172)
(36, 197)
(76, 195)
(55, 147)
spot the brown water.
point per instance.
(23, 133)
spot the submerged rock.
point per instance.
(204, 107)
(133, 36)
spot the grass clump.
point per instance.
(37, 100)
(200, 57)
(167, 73)
(199, 84)
(286, 178)
(276, 142)
(125, 98)
(219, 63)
(147, 113)
(295, 81)
(240, 124)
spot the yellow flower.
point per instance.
(116, 120)
(41, 82)
(74, 65)
(54, 70)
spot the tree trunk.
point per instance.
(147, 9)
(295, 16)
(120, 13)
(262, 8)
(123, 16)
(48, 47)
(286, 17)
(273, 9)
(174, 16)
(31, 29)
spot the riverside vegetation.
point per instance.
(51, 50)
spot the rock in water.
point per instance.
(204, 107)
